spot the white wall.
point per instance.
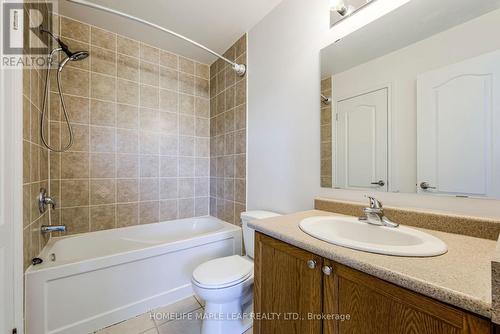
(283, 118)
(399, 70)
(283, 106)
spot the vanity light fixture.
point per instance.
(345, 10)
(366, 12)
(340, 7)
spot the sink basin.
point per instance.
(351, 233)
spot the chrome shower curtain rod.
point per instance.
(240, 69)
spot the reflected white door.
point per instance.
(458, 128)
(362, 142)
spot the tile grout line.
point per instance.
(178, 133)
(116, 135)
(121, 36)
(89, 138)
(158, 150)
(140, 178)
(128, 104)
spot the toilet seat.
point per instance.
(223, 272)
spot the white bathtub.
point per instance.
(101, 278)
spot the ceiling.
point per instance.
(216, 24)
(412, 22)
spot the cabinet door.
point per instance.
(287, 285)
(376, 306)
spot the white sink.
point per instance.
(351, 233)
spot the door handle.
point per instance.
(425, 185)
(380, 183)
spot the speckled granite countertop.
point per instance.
(495, 282)
(461, 277)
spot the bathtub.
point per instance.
(93, 280)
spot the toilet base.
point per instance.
(228, 309)
(227, 318)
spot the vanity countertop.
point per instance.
(461, 277)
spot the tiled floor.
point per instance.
(145, 324)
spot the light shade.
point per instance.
(369, 14)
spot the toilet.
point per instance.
(226, 285)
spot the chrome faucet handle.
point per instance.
(44, 200)
(375, 214)
(374, 203)
(375, 211)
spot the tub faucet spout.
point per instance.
(52, 228)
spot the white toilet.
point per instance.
(226, 285)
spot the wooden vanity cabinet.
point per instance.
(287, 282)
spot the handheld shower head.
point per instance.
(73, 56)
(79, 55)
(70, 56)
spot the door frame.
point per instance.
(11, 169)
(391, 144)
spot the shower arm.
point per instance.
(240, 69)
(326, 100)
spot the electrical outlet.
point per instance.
(16, 31)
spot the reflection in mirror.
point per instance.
(415, 102)
(326, 132)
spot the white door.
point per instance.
(6, 230)
(6, 277)
(362, 142)
(10, 197)
(458, 129)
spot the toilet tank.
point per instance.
(248, 232)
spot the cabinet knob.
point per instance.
(327, 270)
(311, 264)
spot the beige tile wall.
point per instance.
(228, 99)
(156, 137)
(140, 117)
(35, 157)
(326, 135)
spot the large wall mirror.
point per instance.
(411, 102)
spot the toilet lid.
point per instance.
(223, 271)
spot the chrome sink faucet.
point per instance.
(374, 214)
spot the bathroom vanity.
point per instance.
(306, 285)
